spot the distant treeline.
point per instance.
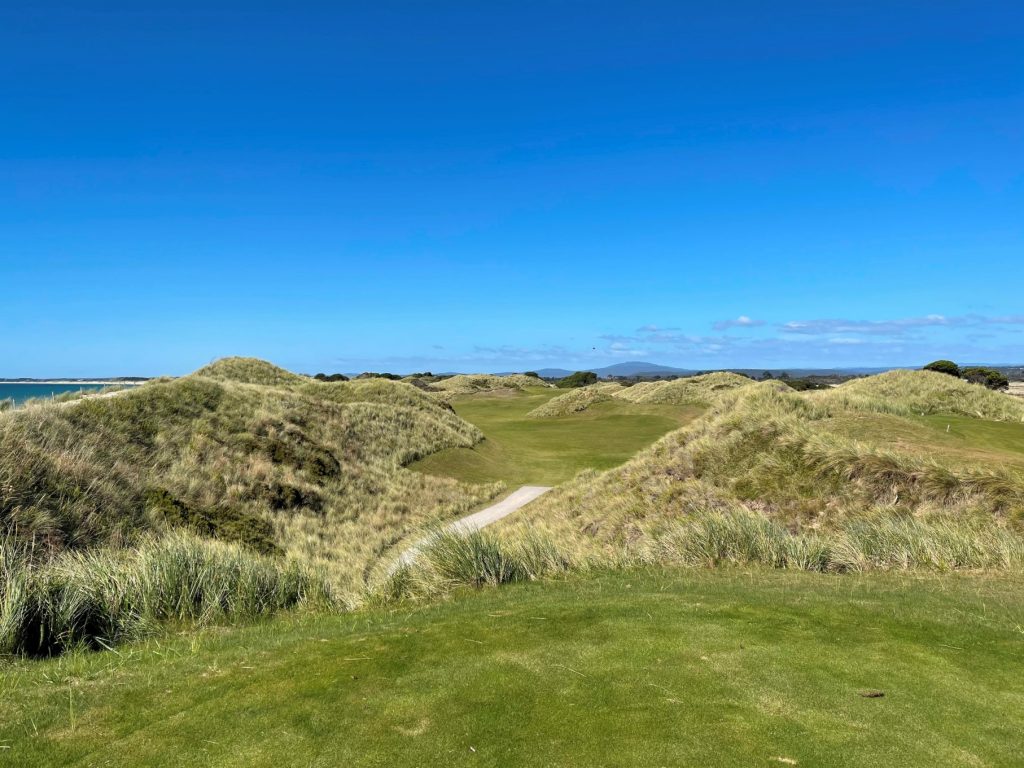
(987, 377)
(799, 383)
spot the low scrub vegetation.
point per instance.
(986, 377)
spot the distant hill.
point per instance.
(634, 368)
(640, 368)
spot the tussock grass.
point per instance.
(453, 559)
(706, 538)
(103, 597)
(744, 537)
(573, 401)
(696, 390)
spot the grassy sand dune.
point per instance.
(152, 509)
(308, 469)
(906, 393)
(572, 401)
(695, 390)
(771, 456)
(249, 370)
(700, 390)
(468, 384)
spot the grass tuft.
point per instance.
(452, 559)
(104, 597)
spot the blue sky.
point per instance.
(506, 186)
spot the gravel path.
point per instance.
(515, 500)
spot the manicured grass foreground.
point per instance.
(700, 668)
(519, 449)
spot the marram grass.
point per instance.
(770, 462)
(104, 597)
(243, 451)
(573, 401)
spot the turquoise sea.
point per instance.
(22, 392)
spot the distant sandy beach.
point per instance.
(90, 382)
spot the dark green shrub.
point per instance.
(224, 523)
(802, 385)
(372, 375)
(986, 377)
(321, 465)
(578, 379)
(294, 451)
(532, 374)
(280, 496)
(947, 367)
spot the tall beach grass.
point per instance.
(103, 597)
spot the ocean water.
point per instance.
(22, 392)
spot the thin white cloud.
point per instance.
(651, 328)
(740, 322)
(897, 327)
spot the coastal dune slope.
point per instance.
(904, 469)
(241, 451)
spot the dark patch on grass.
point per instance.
(224, 523)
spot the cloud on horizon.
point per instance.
(748, 343)
(897, 327)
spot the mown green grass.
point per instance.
(519, 449)
(715, 668)
(950, 437)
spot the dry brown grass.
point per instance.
(573, 401)
(693, 390)
(923, 392)
(474, 383)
